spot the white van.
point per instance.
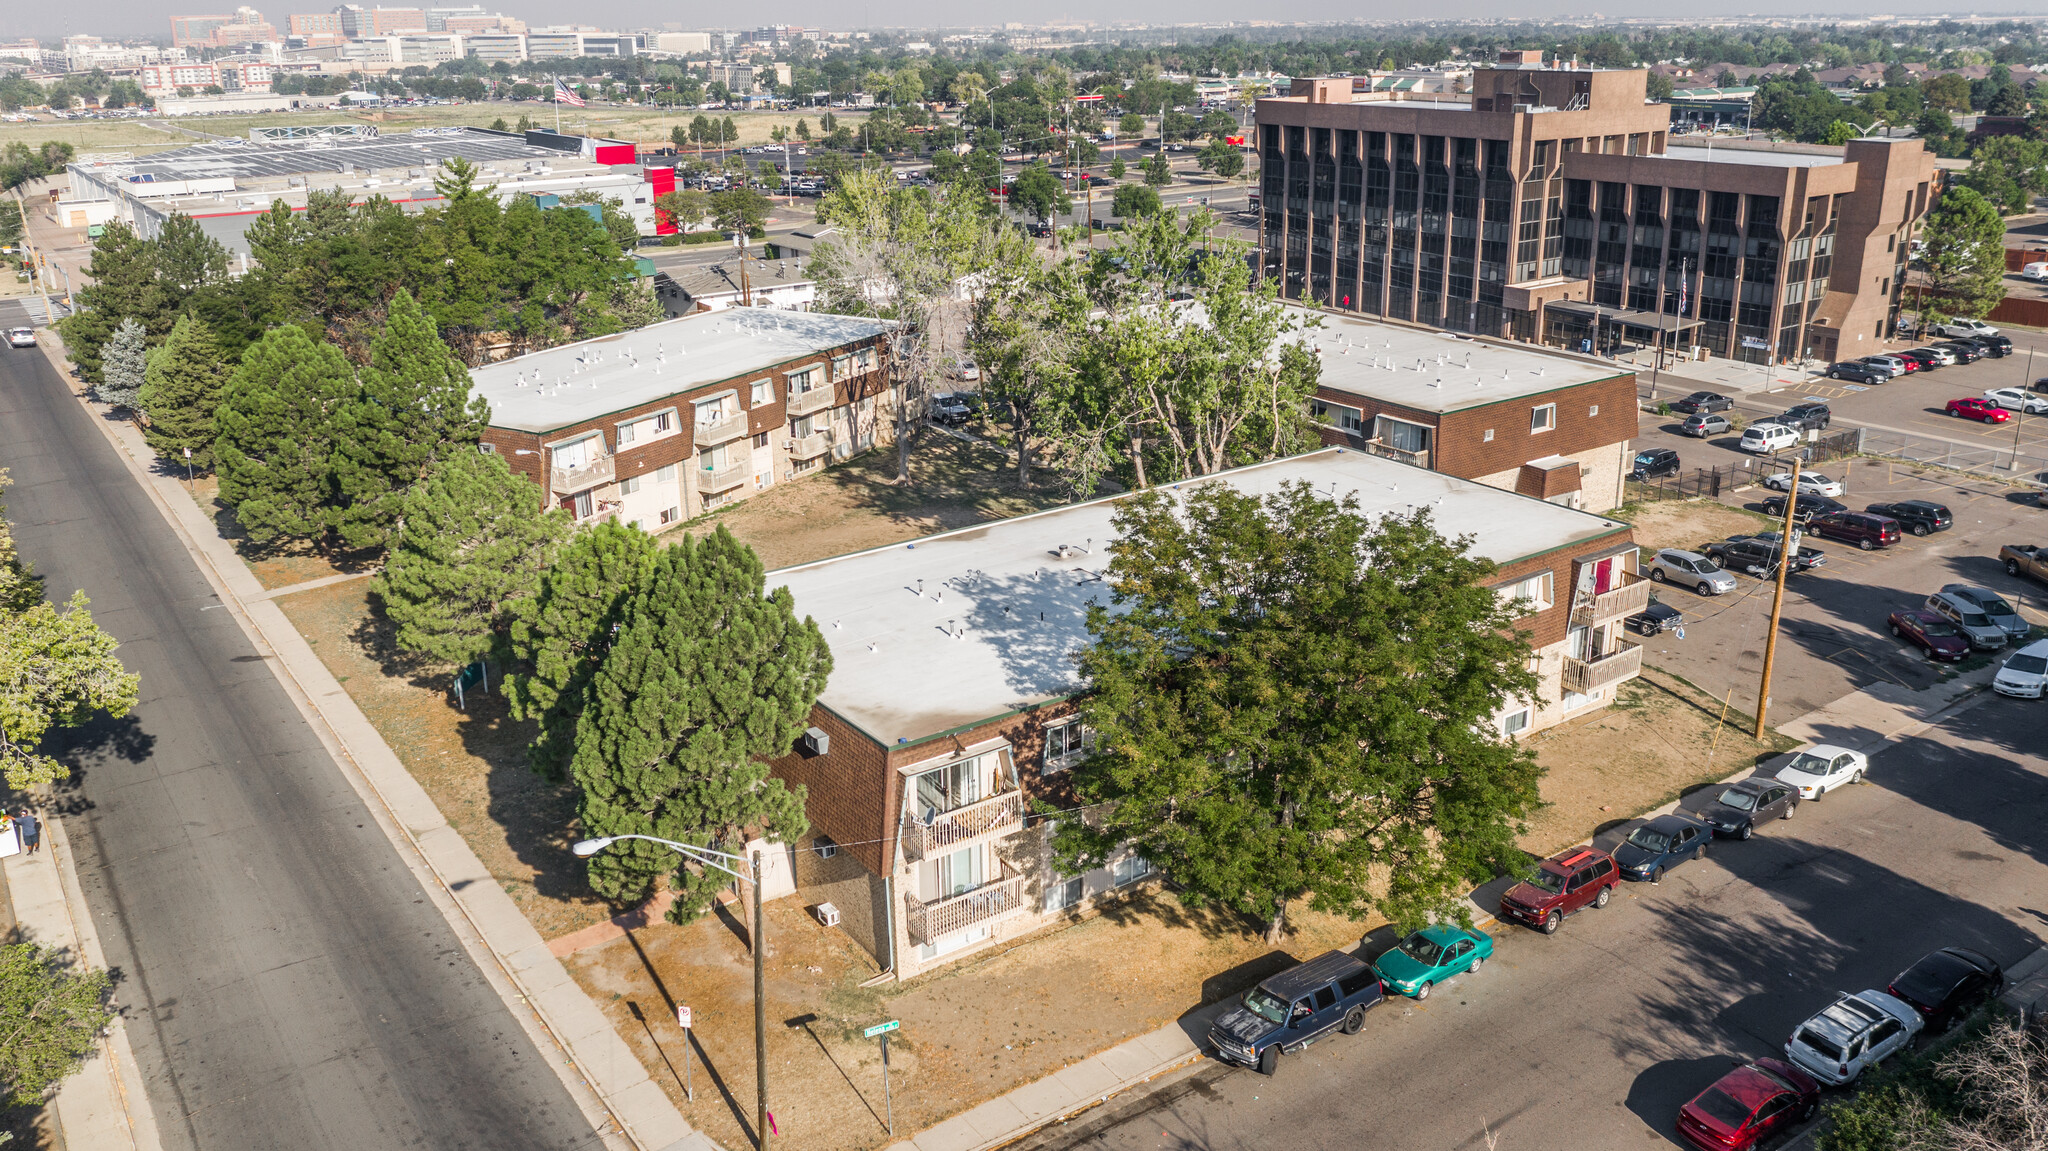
(2034, 272)
(1763, 439)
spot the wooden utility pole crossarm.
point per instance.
(1788, 552)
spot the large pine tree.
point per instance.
(472, 541)
(123, 285)
(708, 678)
(181, 394)
(123, 365)
(413, 408)
(277, 434)
(561, 635)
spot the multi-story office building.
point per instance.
(196, 31)
(1547, 206)
(358, 22)
(316, 29)
(506, 46)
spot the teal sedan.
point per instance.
(1432, 955)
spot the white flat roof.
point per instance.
(545, 390)
(1019, 608)
(1440, 372)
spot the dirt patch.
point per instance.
(858, 504)
(1660, 738)
(1688, 523)
(471, 763)
(970, 1032)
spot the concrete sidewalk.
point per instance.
(1862, 721)
(626, 1107)
(103, 1105)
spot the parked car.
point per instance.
(1429, 956)
(1692, 570)
(1965, 351)
(2018, 400)
(1749, 1107)
(2024, 559)
(1565, 884)
(1759, 557)
(1810, 484)
(1741, 806)
(1925, 358)
(1852, 1035)
(1947, 985)
(1963, 327)
(1701, 425)
(1305, 1004)
(1930, 632)
(2025, 674)
(1978, 408)
(1809, 506)
(1763, 439)
(1660, 845)
(969, 371)
(1823, 768)
(1975, 625)
(21, 337)
(1992, 605)
(2036, 271)
(948, 408)
(1653, 462)
(1942, 356)
(1805, 417)
(1917, 516)
(1656, 617)
(1896, 365)
(1860, 528)
(1862, 373)
(1702, 402)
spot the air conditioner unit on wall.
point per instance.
(814, 741)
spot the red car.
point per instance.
(1978, 408)
(1748, 1106)
(1930, 633)
(1564, 884)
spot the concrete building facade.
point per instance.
(1549, 206)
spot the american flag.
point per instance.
(563, 95)
(1684, 277)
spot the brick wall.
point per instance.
(1464, 449)
(850, 791)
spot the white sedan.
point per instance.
(1823, 768)
(2018, 400)
(1810, 484)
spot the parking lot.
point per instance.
(1833, 638)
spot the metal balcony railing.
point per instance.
(730, 474)
(933, 921)
(805, 447)
(716, 432)
(568, 481)
(811, 402)
(997, 815)
(1387, 451)
(1584, 676)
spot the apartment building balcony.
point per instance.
(716, 432)
(731, 474)
(1629, 597)
(811, 402)
(931, 921)
(1388, 451)
(568, 481)
(807, 447)
(1585, 676)
(997, 815)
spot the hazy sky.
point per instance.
(151, 17)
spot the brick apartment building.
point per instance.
(1555, 427)
(1548, 206)
(951, 702)
(662, 424)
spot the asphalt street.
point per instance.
(1596, 1036)
(287, 981)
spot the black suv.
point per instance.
(1801, 417)
(1295, 1008)
(1917, 516)
(1997, 347)
(1651, 462)
(1759, 557)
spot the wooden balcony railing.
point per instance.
(997, 815)
(808, 403)
(806, 447)
(1630, 597)
(730, 474)
(1587, 675)
(716, 432)
(933, 921)
(568, 481)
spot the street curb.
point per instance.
(627, 1109)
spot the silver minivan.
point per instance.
(1690, 569)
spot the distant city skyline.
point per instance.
(139, 18)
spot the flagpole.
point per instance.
(558, 105)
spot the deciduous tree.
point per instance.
(52, 1011)
(1293, 704)
(710, 676)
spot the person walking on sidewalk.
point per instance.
(31, 831)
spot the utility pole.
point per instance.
(2026, 377)
(760, 1015)
(1788, 551)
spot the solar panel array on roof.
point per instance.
(249, 161)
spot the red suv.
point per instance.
(1864, 530)
(1567, 882)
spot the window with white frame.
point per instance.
(1543, 417)
(665, 474)
(1336, 415)
(842, 367)
(864, 359)
(671, 515)
(1515, 722)
(1063, 894)
(764, 391)
(1066, 744)
(716, 410)
(629, 485)
(1528, 595)
(581, 505)
(647, 428)
(803, 381)
(1401, 434)
(578, 453)
(1129, 869)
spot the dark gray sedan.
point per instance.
(1742, 806)
(1660, 845)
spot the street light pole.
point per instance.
(709, 857)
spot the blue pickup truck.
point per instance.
(1295, 1008)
